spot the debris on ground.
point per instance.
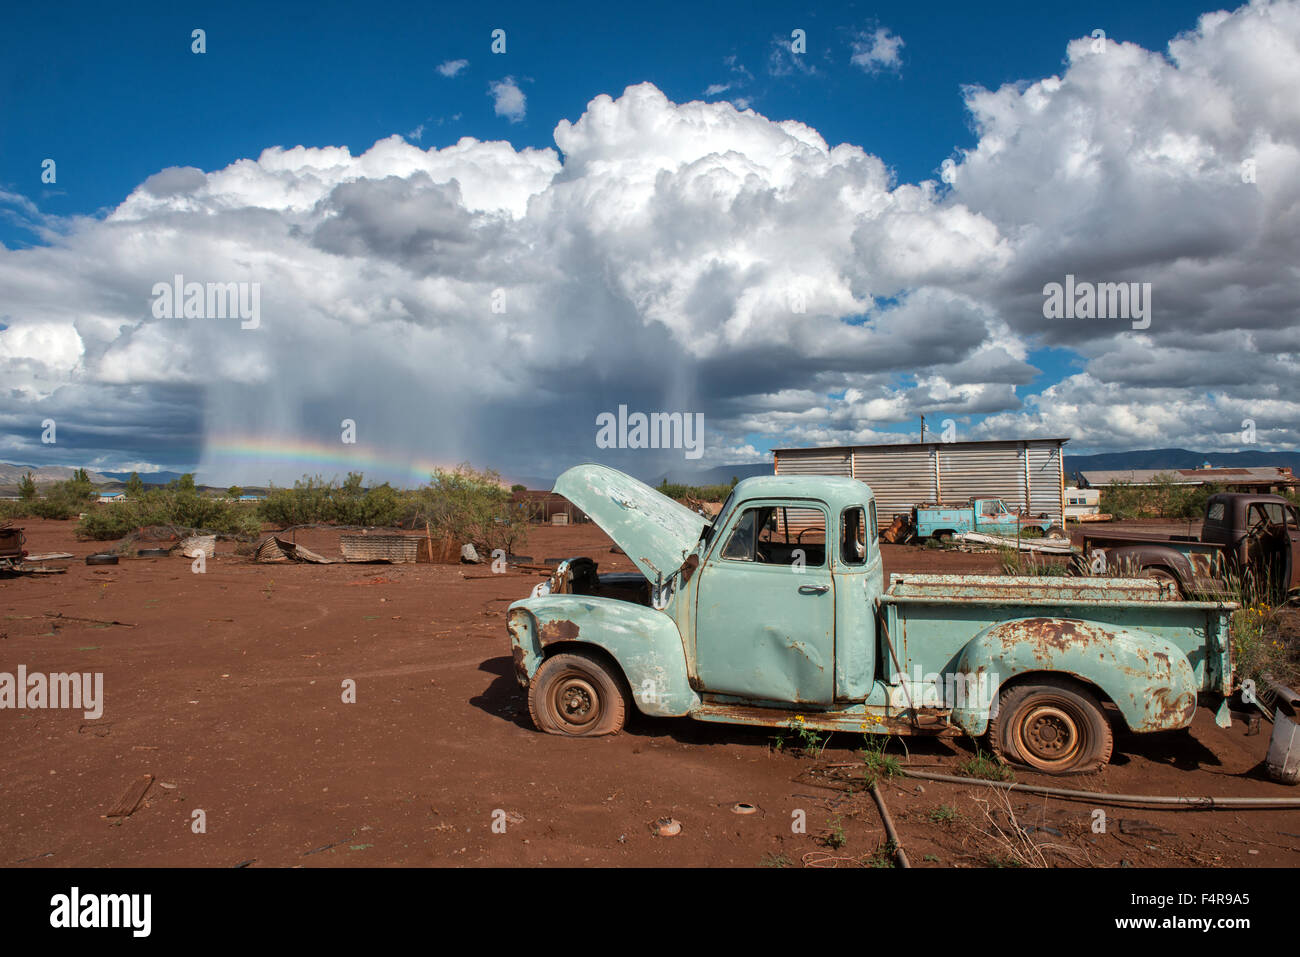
(131, 798)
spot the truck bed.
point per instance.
(944, 611)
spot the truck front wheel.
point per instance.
(575, 693)
(1053, 726)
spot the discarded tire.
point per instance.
(103, 558)
(153, 552)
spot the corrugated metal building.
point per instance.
(1026, 474)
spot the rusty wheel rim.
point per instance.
(1051, 736)
(576, 701)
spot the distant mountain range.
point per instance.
(13, 474)
(1178, 459)
(10, 475)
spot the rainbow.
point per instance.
(243, 453)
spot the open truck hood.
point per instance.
(655, 532)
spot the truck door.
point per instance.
(765, 606)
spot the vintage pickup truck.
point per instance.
(1243, 533)
(734, 621)
(987, 516)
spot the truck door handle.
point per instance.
(814, 589)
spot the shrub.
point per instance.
(313, 501)
(469, 506)
(179, 503)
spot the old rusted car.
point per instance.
(1243, 535)
(737, 620)
(12, 552)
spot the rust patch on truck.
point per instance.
(521, 666)
(1047, 635)
(1171, 714)
(559, 629)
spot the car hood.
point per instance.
(655, 532)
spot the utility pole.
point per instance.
(922, 428)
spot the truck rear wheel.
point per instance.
(1053, 726)
(575, 693)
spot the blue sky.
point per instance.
(115, 95)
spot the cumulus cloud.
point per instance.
(877, 50)
(452, 67)
(476, 301)
(508, 100)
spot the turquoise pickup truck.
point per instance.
(987, 516)
(742, 621)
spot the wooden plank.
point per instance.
(130, 800)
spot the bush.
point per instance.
(468, 506)
(62, 500)
(315, 501)
(1161, 499)
(699, 493)
(180, 503)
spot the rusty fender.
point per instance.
(643, 641)
(1148, 678)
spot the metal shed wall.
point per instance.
(1025, 474)
(899, 478)
(1047, 481)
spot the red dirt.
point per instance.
(229, 688)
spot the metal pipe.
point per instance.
(889, 827)
(1101, 797)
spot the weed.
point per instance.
(836, 838)
(987, 767)
(774, 860)
(943, 814)
(879, 766)
(811, 742)
(883, 856)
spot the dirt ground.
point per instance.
(227, 688)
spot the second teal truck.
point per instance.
(738, 621)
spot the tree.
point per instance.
(134, 486)
(186, 483)
(27, 488)
(519, 488)
(234, 491)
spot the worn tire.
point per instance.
(1056, 531)
(101, 559)
(577, 694)
(153, 552)
(1160, 575)
(1051, 725)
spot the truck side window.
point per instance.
(874, 526)
(853, 536)
(779, 535)
(1215, 514)
(740, 546)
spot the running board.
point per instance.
(861, 720)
